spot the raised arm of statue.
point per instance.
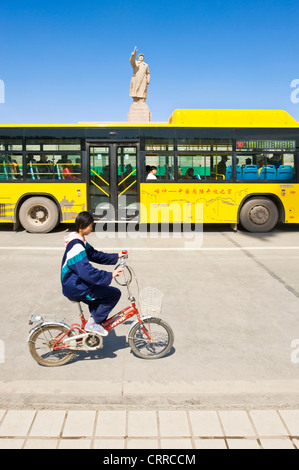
(133, 57)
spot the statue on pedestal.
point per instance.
(140, 80)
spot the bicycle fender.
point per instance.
(45, 323)
(135, 322)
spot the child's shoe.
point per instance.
(93, 327)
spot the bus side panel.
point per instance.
(71, 198)
(175, 202)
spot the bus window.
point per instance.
(44, 166)
(164, 165)
(193, 167)
(11, 144)
(11, 167)
(204, 167)
(159, 144)
(247, 168)
(265, 166)
(195, 144)
(52, 145)
(222, 169)
(67, 167)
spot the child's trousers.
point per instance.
(105, 299)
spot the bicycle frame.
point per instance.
(117, 319)
(109, 324)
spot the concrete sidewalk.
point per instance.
(74, 428)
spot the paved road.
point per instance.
(232, 300)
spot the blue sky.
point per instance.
(68, 61)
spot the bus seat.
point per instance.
(33, 171)
(228, 173)
(239, 172)
(268, 173)
(5, 173)
(59, 172)
(250, 172)
(285, 172)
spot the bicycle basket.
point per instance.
(151, 301)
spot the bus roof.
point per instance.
(249, 118)
(232, 118)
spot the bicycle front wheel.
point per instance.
(161, 339)
(41, 344)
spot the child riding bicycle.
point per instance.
(82, 282)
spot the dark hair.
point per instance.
(83, 220)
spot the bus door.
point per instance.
(113, 188)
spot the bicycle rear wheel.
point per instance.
(41, 345)
(161, 343)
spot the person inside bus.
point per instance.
(152, 173)
(276, 160)
(77, 167)
(189, 174)
(84, 283)
(262, 162)
(129, 176)
(44, 167)
(67, 171)
(31, 167)
(221, 166)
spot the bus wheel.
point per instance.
(38, 215)
(259, 215)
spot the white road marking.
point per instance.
(109, 248)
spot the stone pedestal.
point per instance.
(139, 112)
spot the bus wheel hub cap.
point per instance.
(38, 215)
(259, 215)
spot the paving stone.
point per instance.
(142, 424)
(41, 444)
(277, 444)
(142, 444)
(75, 444)
(210, 444)
(174, 423)
(11, 443)
(236, 423)
(79, 423)
(17, 423)
(243, 444)
(205, 423)
(109, 444)
(268, 423)
(176, 443)
(291, 419)
(111, 423)
(48, 423)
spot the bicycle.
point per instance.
(53, 343)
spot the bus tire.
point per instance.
(259, 215)
(38, 215)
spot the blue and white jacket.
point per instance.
(78, 276)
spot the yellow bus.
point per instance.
(240, 166)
